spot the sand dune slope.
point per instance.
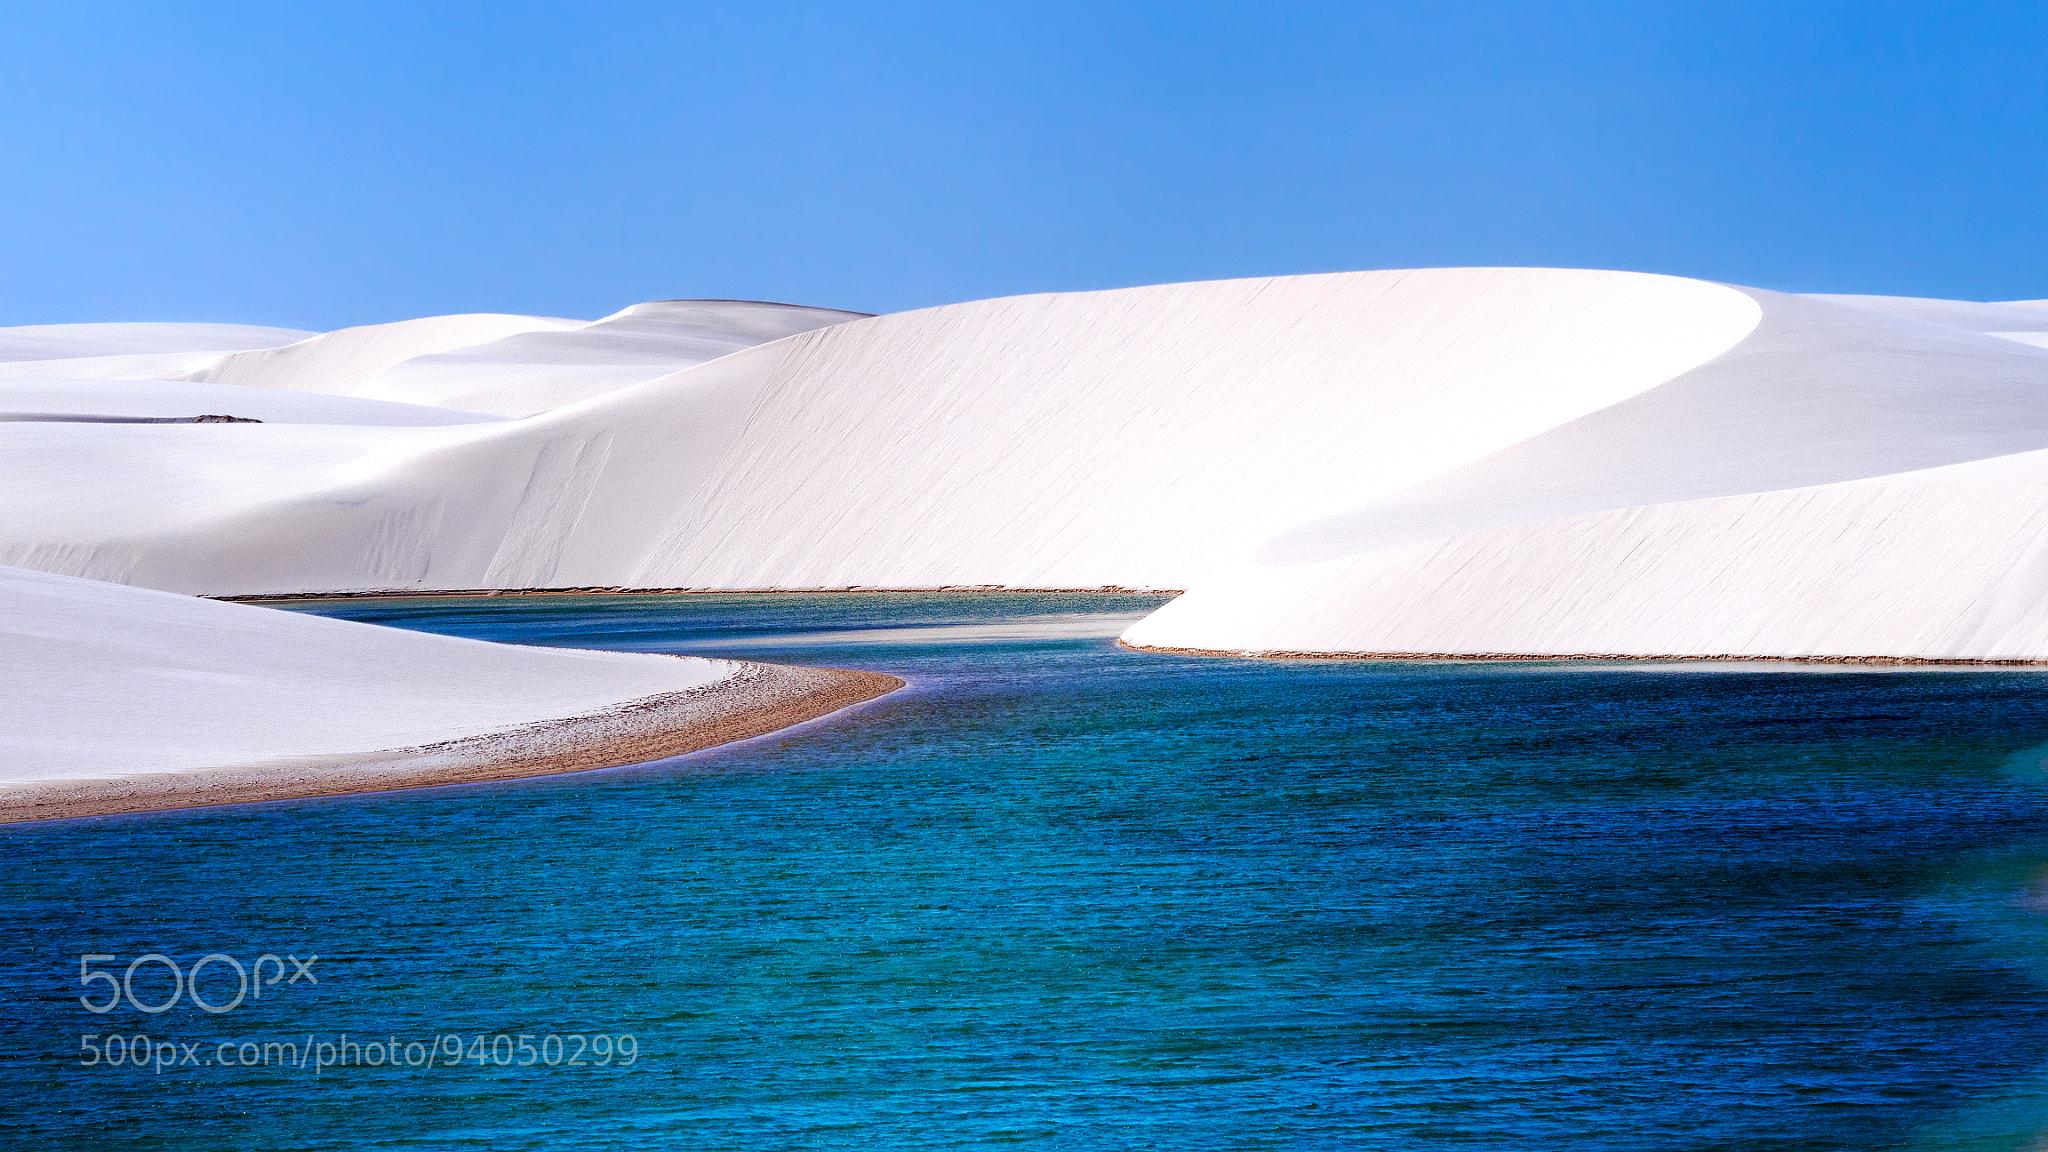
(1947, 564)
(1857, 478)
(1130, 437)
(1817, 393)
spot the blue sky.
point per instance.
(321, 165)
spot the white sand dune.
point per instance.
(1300, 453)
(1134, 438)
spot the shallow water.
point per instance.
(1064, 894)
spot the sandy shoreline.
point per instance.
(498, 593)
(1588, 657)
(759, 699)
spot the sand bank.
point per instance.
(608, 590)
(755, 700)
(1584, 658)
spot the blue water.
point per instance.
(1060, 894)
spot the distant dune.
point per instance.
(71, 341)
(534, 371)
(345, 360)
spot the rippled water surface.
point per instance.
(1057, 893)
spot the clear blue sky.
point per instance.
(321, 165)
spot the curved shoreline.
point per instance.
(757, 700)
(620, 590)
(1583, 658)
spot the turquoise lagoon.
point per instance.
(1059, 894)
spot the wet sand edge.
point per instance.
(760, 699)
